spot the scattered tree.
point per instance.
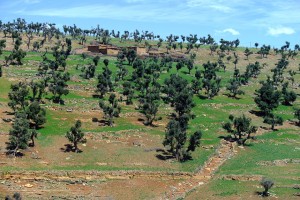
(234, 88)
(176, 137)
(288, 96)
(247, 53)
(110, 110)
(58, 86)
(273, 120)
(37, 117)
(241, 128)
(150, 105)
(267, 97)
(18, 96)
(19, 135)
(267, 184)
(75, 135)
(128, 91)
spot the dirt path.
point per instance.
(223, 153)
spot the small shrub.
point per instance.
(267, 184)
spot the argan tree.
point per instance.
(211, 82)
(288, 96)
(241, 128)
(131, 56)
(128, 91)
(267, 184)
(18, 96)
(19, 135)
(89, 71)
(110, 109)
(234, 88)
(171, 86)
(247, 53)
(96, 60)
(176, 138)
(37, 117)
(150, 105)
(58, 86)
(267, 97)
(75, 135)
(104, 84)
(273, 120)
(17, 54)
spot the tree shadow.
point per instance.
(264, 128)
(228, 138)
(95, 119)
(7, 120)
(61, 102)
(31, 144)
(233, 97)
(97, 96)
(184, 72)
(287, 104)
(18, 154)
(295, 123)
(164, 155)
(257, 113)
(9, 113)
(262, 194)
(151, 125)
(103, 122)
(141, 120)
(202, 96)
(69, 148)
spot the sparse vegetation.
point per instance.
(167, 94)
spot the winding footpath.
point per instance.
(225, 151)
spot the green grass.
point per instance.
(210, 114)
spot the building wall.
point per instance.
(141, 50)
(103, 50)
(93, 48)
(112, 52)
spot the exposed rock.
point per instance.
(28, 185)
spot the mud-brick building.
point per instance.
(109, 50)
(93, 48)
(104, 49)
(114, 50)
(139, 50)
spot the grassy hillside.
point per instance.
(129, 144)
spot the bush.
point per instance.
(267, 184)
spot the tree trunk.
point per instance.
(32, 140)
(273, 126)
(75, 147)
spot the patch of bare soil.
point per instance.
(115, 189)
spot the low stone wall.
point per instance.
(67, 176)
(242, 177)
